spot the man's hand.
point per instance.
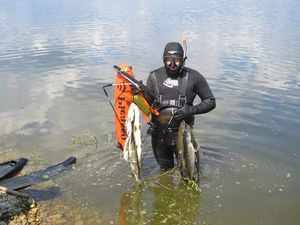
(184, 112)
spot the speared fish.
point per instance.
(198, 153)
(180, 149)
(188, 152)
(190, 156)
(133, 145)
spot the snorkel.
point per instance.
(184, 38)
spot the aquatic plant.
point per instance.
(87, 138)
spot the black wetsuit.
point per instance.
(168, 89)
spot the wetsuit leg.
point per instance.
(164, 154)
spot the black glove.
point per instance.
(151, 128)
(184, 112)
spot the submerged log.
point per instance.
(12, 205)
(9, 191)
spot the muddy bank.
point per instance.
(16, 209)
(44, 204)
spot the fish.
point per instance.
(190, 155)
(132, 151)
(198, 153)
(180, 148)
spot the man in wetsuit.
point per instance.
(176, 87)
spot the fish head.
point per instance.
(182, 124)
(187, 132)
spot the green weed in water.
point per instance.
(191, 184)
(87, 138)
(36, 158)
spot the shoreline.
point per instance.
(44, 204)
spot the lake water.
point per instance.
(55, 57)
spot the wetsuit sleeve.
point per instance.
(208, 101)
(150, 84)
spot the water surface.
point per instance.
(56, 55)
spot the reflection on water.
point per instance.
(56, 55)
(161, 201)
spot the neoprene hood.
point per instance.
(173, 49)
(173, 58)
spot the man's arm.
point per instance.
(208, 101)
(151, 85)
